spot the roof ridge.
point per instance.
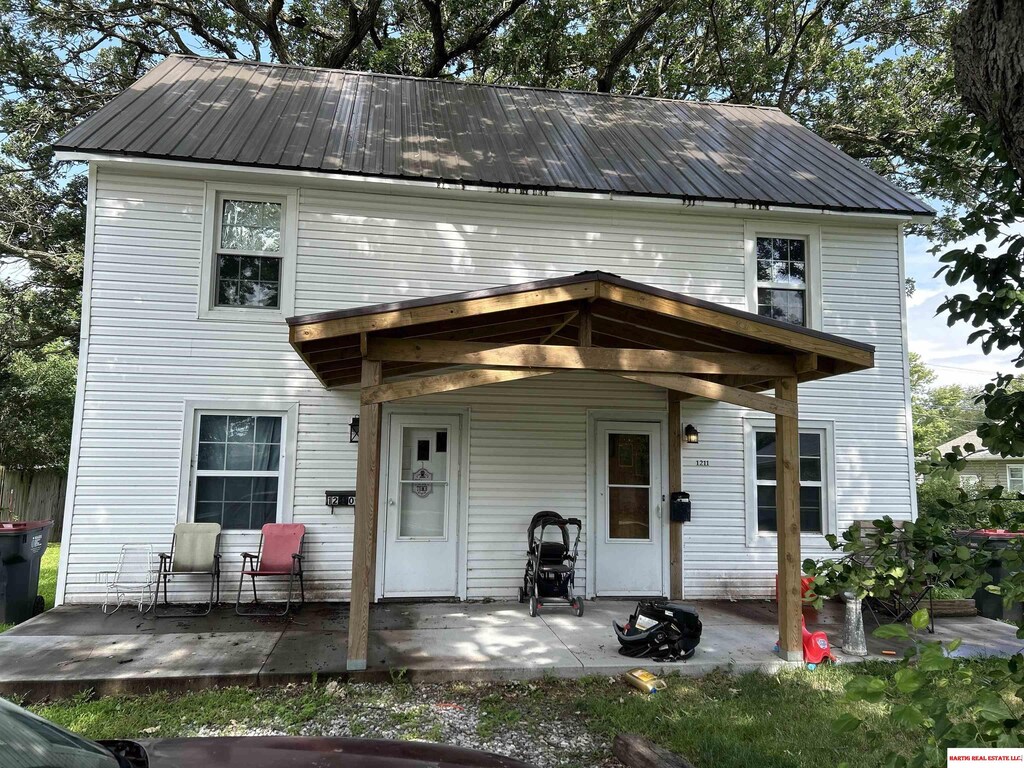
(363, 73)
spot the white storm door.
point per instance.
(421, 507)
(628, 557)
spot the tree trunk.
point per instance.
(988, 61)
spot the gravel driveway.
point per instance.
(494, 717)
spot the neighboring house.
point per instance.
(984, 468)
(264, 241)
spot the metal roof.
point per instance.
(333, 121)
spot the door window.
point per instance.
(629, 486)
(423, 483)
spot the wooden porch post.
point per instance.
(787, 473)
(675, 483)
(364, 537)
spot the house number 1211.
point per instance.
(703, 462)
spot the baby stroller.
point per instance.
(551, 565)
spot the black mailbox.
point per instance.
(679, 507)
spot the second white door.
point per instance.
(421, 507)
(628, 538)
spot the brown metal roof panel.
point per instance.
(354, 148)
(163, 114)
(216, 118)
(288, 144)
(272, 115)
(319, 138)
(237, 123)
(173, 137)
(796, 168)
(614, 176)
(682, 145)
(755, 168)
(479, 136)
(132, 107)
(373, 138)
(342, 121)
(882, 189)
(634, 129)
(392, 129)
(248, 147)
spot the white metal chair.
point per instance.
(135, 577)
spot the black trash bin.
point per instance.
(989, 605)
(21, 551)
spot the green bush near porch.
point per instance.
(718, 721)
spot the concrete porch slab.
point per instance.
(73, 648)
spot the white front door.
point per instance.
(628, 537)
(421, 507)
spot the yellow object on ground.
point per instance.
(648, 682)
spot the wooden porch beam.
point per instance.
(364, 537)
(586, 330)
(752, 328)
(558, 328)
(714, 391)
(787, 506)
(403, 317)
(577, 358)
(445, 382)
(675, 483)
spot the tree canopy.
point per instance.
(941, 412)
(871, 76)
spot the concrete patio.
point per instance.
(74, 648)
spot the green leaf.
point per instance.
(907, 716)
(846, 723)
(870, 689)
(909, 680)
(920, 619)
(992, 708)
(892, 632)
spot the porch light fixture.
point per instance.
(353, 430)
(692, 435)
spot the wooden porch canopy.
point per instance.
(589, 321)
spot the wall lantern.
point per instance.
(353, 430)
(692, 435)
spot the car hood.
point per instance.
(310, 752)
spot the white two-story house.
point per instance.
(303, 285)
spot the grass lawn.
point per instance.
(47, 578)
(719, 721)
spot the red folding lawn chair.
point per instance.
(279, 555)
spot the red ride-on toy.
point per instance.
(816, 647)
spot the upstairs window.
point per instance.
(249, 253)
(782, 278)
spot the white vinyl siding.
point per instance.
(147, 357)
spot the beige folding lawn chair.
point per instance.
(194, 552)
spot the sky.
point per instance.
(945, 349)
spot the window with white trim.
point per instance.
(248, 259)
(781, 271)
(1015, 477)
(813, 474)
(237, 461)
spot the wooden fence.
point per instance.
(37, 495)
